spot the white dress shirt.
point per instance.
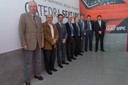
(99, 23)
(52, 30)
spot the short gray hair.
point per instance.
(31, 2)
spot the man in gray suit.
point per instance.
(32, 41)
(61, 44)
(83, 32)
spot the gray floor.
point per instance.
(93, 68)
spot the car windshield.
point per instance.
(93, 3)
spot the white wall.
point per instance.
(12, 9)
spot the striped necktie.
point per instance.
(35, 22)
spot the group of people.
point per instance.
(64, 41)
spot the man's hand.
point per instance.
(25, 47)
(81, 38)
(42, 45)
(54, 41)
(64, 41)
(99, 32)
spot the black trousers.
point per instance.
(99, 38)
(49, 59)
(77, 45)
(70, 48)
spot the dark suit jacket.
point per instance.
(101, 28)
(82, 32)
(68, 30)
(62, 31)
(76, 30)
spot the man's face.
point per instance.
(99, 18)
(88, 18)
(70, 18)
(49, 19)
(82, 17)
(32, 8)
(76, 20)
(60, 19)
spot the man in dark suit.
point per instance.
(61, 44)
(99, 28)
(32, 40)
(70, 40)
(77, 32)
(50, 43)
(89, 33)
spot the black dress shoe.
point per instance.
(60, 66)
(82, 51)
(49, 72)
(66, 63)
(73, 58)
(53, 69)
(38, 77)
(103, 50)
(96, 50)
(27, 83)
(90, 49)
(69, 60)
(86, 50)
(76, 55)
(80, 54)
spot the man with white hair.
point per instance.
(32, 41)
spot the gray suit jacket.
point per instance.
(81, 25)
(62, 31)
(29, 34)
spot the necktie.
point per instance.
(78, 29)
(72, 31)
(60, 25)
(71, 26)
(82, 25)
(35, 22)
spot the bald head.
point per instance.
(32, 7)
(49, 18)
